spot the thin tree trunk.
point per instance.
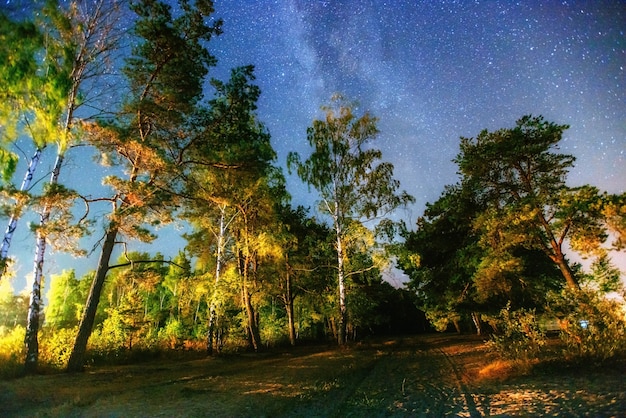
(32, 327)
(85, 327)
(218, 271)
(457, 325)
(253, 327)
(341, 331)
(34, 308)
(289, 307)
(12, 225)
(477, 323)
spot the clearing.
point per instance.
(422, 376)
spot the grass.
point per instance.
(427, 375)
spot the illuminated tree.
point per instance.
(78, 42)
(528, 203)
(165, 75)
(23, 110)
(65, 300)
(352, 184)
(231, 171)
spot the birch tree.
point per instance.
(23, 111)
(353, 185)
(79, 40)
(165, 75)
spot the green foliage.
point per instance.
(441, 319)
(521, 178)
(112, 337)
(65, 300)
(13, 307)
(172, 334)
(273, 325)
(56, 346)
(605, 276)
(614, 212)
(593, 327)
(353, 184)
(12, 350)
(520, 337)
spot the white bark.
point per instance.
(12, 225)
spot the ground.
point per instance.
(418, 376)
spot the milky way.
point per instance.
(435, 71)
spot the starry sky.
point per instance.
(433, 71)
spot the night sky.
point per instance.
(435, 71)
(432, 72)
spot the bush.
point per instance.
(56, 347)
(520, 338)
(173, 334)
(592, 326)
(274, 329)
(110, 340)
(12, 351)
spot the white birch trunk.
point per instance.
(12, 225)
(34, 308)
(221, 244)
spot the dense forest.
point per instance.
(257, 271)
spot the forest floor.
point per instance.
(421, 376)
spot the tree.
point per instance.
(23, 109)
(78, 42)
(165, 75)
(353, 186)
(528, 203)
(233, 187)
(301, 269)
(442, 254)
(65, 300)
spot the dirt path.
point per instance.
(424, 376)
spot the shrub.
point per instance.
(12, 351)
(520, 338)
(56, 347)
(592, 326)
(111, 339)
(274, 329)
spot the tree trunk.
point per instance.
(457, 325)
(477, 323)
(218, 271)
(34, 309)
(253, 326)
(566, 271)
(289, 307)
(12, 226)
(85, 327)
(32, 328)
(341, 331)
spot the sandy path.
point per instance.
(422, 376)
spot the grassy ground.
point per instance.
(433, 375)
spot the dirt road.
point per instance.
(422, 376)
